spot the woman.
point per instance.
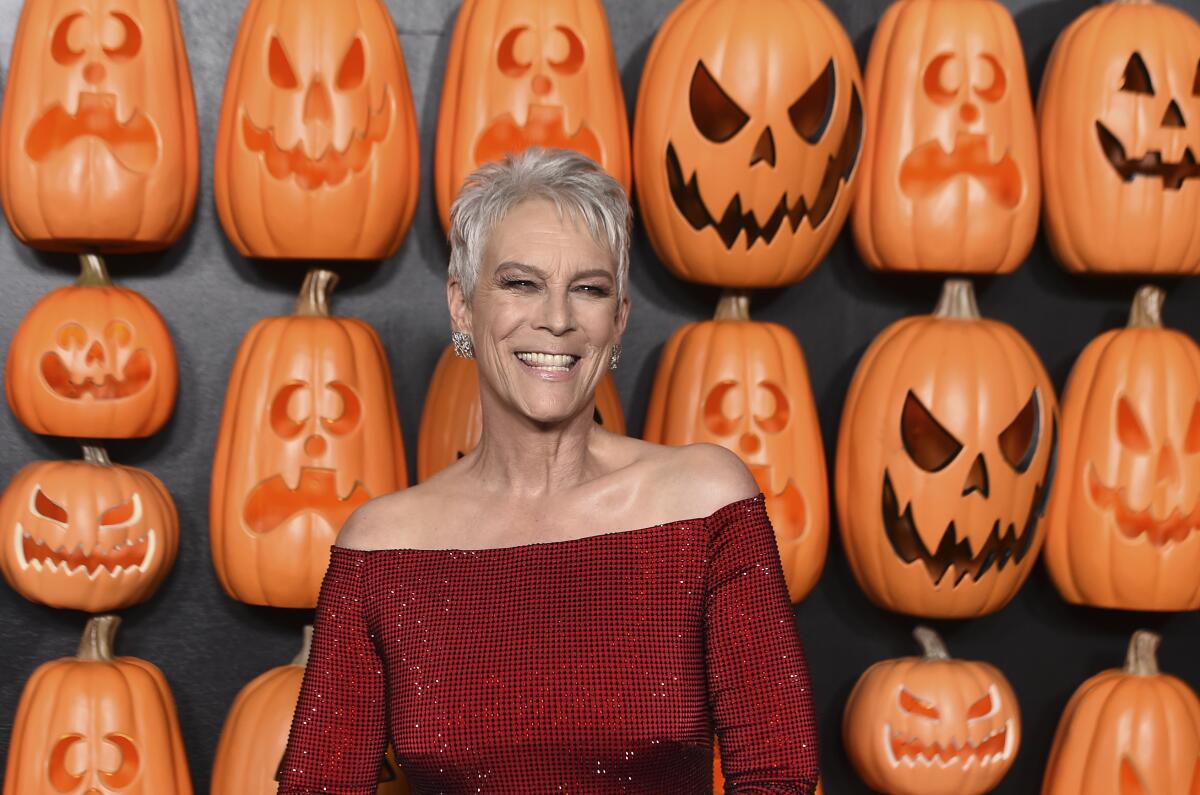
(563, 609)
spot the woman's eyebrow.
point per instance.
(521, 266)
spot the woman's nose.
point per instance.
(556, 313)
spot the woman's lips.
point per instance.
(549, 367)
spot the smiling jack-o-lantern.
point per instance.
(527, 73)
(317, 143)
(746, 139)
(94, 724)
(744, 385)
(932, 725)
(950, 164)
(98, 143)
(1128, 731)
(1124, 522)
(309, 432)
(1119, 118)
(92, 361)
(87, 535)
(944, 460)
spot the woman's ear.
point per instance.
(622, 315)
(460, 310)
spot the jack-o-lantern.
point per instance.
(1119, 123)
(950, 165)
(932, 725)
(525, 73)
(317, 141)
(452, 419)
(95, 724)
(944, 461)
(746, 139)
(98, 142)
(1124, 521)
(92, 361)
(309, 432)
(249, 757)
(1128, 731)
(87, 535)
(744, 385)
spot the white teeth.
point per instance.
(559, 361)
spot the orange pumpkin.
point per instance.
(1124, 522)
(1128, 731)
(250, 752)
(317, 141)
(944, 461)
(98, 141)
(932, 725)
(93, 361)
(87, 535)
(744, 385)
(746, 139)
(1119, 119)
(527, 73)
(309, 432)
(452, 420)
(97, 724)
(950, 164)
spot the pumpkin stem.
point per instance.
(931, 644)
(97, 641)
(315, 292)
(1146, 311)
(1142, 657)
(733, 305)
(92, 272)
(95, 454)
(957, 301)
(301, 659)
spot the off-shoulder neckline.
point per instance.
(561, 542)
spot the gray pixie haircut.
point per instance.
(574, 184)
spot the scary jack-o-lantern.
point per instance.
(744, 385)
(1123, 527)
(932, 725)
(1119, 119)
(98, 142)
(527, 73)
(317, 141)
(94, 724)
(944, 460)
(87, 535)
(309, 432)
(746, 139)
(452, 419)
(92, 361)
(1128, 731)
(950, 164)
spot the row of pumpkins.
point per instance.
(750, 143)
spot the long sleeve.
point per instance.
(758, 682)
(338, 733)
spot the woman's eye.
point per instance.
(522, 283)
(594, 288)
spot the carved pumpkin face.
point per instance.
(527, 73)
(944, 457)
(746, 140)
(316, 148)
(1119, 113)
(98, 143)
(950, 164)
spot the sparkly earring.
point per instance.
(462, 345)
(614, 356)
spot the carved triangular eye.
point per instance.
(1129, 428)
(985, 707)
(1136, 77)
(1196, 81)
(1018, 442)
(47, 508)
(354, 67)
(929, 445)
(917, 706)
(279, 67)
(811, 113)
(717, 117)
(1191, 442)
(1131, 782)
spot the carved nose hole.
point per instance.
(749, 443)
(977, 478)
(317, 104)
(541, 85)
(314, 446)
(94, 73)
(764, 149)
(95, 354)
(1173, 116)
(1168, 466)
(968, 112)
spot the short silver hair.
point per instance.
(575, 184)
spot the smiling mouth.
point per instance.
(34, 553)
(996, 747)
(1134, 524)
(552, 362)
(1150, 164)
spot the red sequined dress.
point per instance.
(600, 664)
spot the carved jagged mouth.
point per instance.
(1135, 524)
(1150, 164)
(733, 222)
(928, 167)
(331, 167)
(996, 747)
(134, 143)
(117, 561)
(137, 371)
(272, 502)
(543, 127)
(789, 502)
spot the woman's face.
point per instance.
(544, 315)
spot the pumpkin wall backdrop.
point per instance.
(210, 646)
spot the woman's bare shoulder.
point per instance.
(389, 521)
(702, 477)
